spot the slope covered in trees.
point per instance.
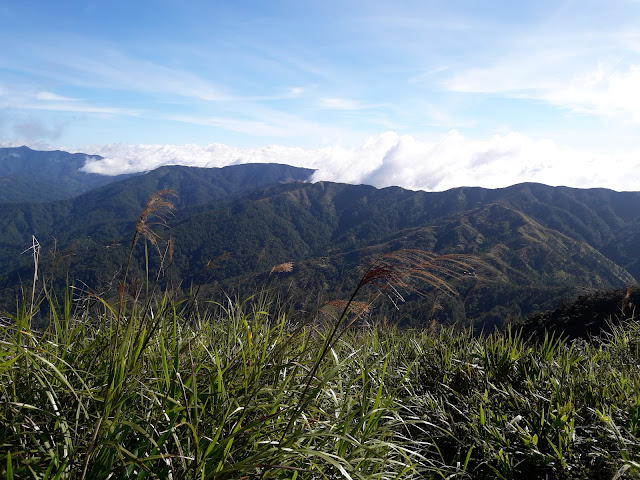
(536, 244)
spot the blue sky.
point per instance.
(424, 94)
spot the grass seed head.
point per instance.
(334, 308)
(283, 267)
(155, 213)
(403, 269)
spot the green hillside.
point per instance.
(533, 244)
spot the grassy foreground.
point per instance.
(236, 392)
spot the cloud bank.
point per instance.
(391, 159)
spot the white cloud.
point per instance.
(297, 91)
(340, 104)
(603, 91)
(267, 122)
(334, 103)
(79, 108)
(25, 98)
(251, 127)
(50, 96)
(391, 159)
(121, 159)
(533, 62)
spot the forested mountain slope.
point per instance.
(538, 243)
(32, 176)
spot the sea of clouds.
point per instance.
(401, 160)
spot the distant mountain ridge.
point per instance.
(33, 176)
(540, 242)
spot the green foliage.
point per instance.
(227, 394)
(588, 315)
(161, 398)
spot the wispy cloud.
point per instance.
(604, 90)
(33, 130)
(79, 108)
(24, 98)
(334, 103)
(83, 62)
(252, 127)
(297, 91)
(260, 121)
(594, 74)
(117, 70)
(54, 97)
(54, 102)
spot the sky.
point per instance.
(427, 95)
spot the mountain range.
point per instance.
(537, 244)
(28, 175)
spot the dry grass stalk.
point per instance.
(218, 261)
(390, 273)
(35, 248)
(403, 269)
(283, 267)
(334, 308)
(155, 213)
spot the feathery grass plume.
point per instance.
(412, 270)
(334, 307)
(283, 267)
(402, 269)
(132, 338)
(390, 274)
(156, 213)
(171, 247)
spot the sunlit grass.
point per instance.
(214, 398)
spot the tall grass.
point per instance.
(209, 400)
(212, 399)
